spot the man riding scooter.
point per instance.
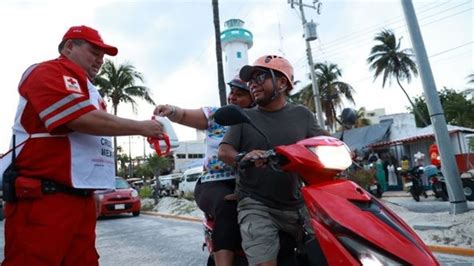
(269, 200)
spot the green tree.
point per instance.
(122, 161)
(470, 79)
(457, 109)
(118, 85)
(331, 89)
(471, 144)
(153, 166)
(361, 121)
(389, 60)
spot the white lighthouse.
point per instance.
(236, 41)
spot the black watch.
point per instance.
(239, 157)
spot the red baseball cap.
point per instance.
(90, 35)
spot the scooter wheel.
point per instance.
(444, 196)
(468, 188)
(415, 196)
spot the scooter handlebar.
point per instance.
(274, 160)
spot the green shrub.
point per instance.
(188, 196)
(145, 192)
(362, 177)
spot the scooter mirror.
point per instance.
(348, 116)
(230, 115)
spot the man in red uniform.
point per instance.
(63, 152)
(434, 155)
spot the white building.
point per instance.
(403, 124)
(235, 42)
(469, 94)
(190, 154)
(374, 115)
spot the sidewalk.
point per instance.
(398, 193)
(425, 226)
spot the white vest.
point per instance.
(92, 157)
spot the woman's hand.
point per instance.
(165, 110)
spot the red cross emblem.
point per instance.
(72, 84)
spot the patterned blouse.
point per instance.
(214, 169)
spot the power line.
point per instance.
(450, 49)
(376, 27)
(338, 52)
(335, 47)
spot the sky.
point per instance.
(171, 42)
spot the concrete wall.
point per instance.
(188, 149)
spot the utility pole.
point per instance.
(130, 167)
(220, 68)
(310, 36)
(450, 171)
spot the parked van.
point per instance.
(169, 185)
(189, 181)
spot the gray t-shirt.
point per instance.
(285, 126)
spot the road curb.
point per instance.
(172, 216)
(452, 250)
(439, 249)
(396, 196)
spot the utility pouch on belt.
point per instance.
(28, 188)
(9, 177)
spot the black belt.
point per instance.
(50, 187)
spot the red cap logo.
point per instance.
(92, 36)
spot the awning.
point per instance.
(423, 133)
(360, 138)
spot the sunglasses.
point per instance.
(259, 79)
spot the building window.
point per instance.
(181, 156)
(195, 155)
(239, 55)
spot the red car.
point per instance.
(124, 199)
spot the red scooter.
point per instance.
(351, 226)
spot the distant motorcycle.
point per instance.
(467, 180)
(438, 183)
(414, 182)
(375, 188)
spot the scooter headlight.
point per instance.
(367, 255)
(333, 157)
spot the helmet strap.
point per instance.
(275, 91)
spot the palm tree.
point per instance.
(332, 91)
(362, 121)
(117, 84)
(470, 79)
(386, 57)
(220, 68)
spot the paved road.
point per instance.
(149, 240)
(146, 240)
(425, 205)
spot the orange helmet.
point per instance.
(273, 62)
